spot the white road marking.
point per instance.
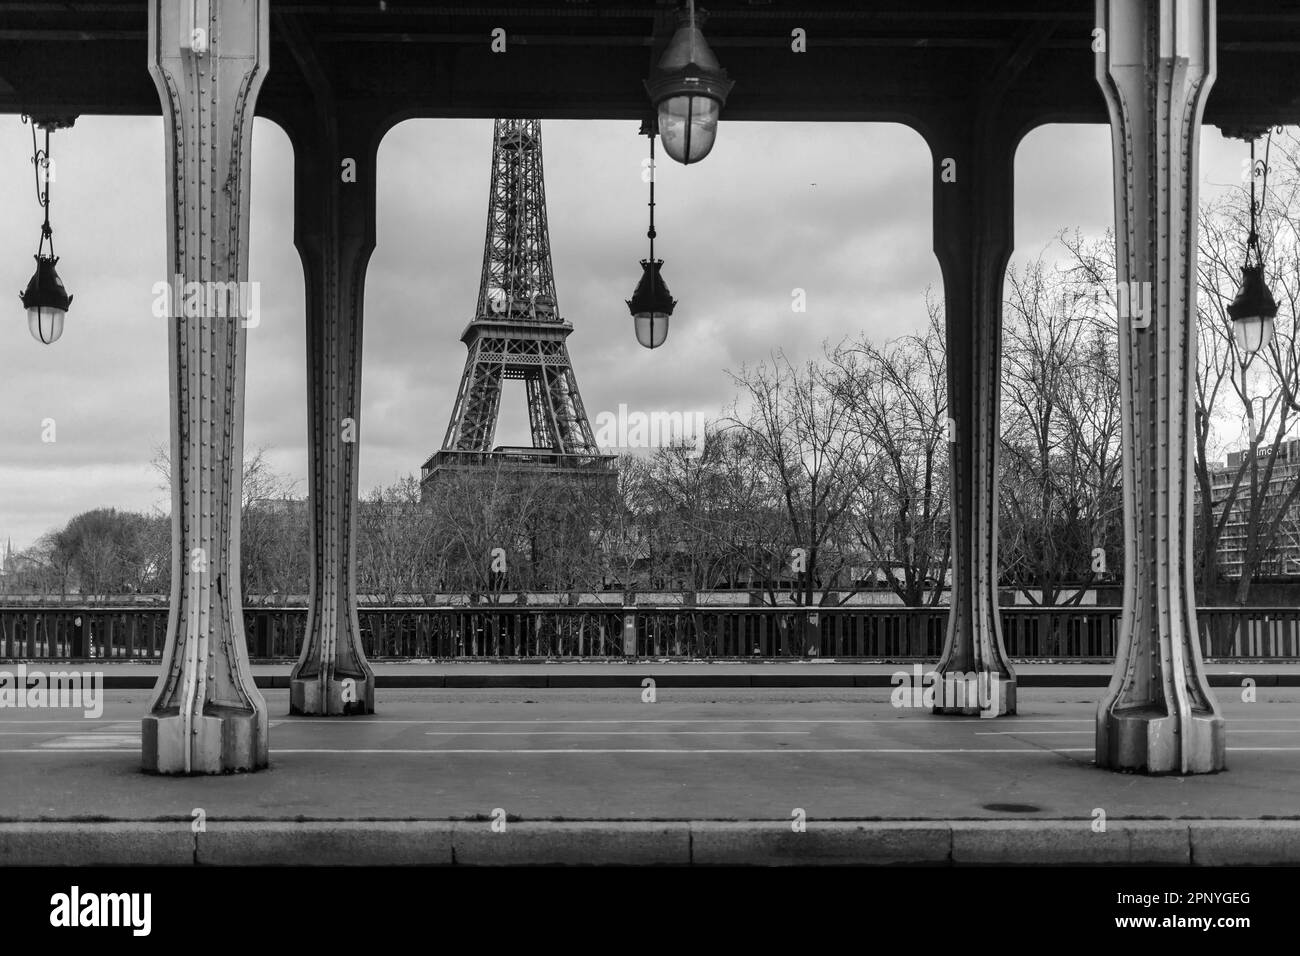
(1031, 733)
(98, 721)
(1233, 728)
(105, 741)
(756, 750)
(120, 728)
(616, 733)
(46, 752)
(685, 720)
(793, 750)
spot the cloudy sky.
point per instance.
(839, 210)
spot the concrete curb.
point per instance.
(820, 844)
(631, 843)
(1244, 842)
(96, 844)
(1030, 843)
(641, 843)
(318, 843)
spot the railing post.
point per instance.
(82, 637)
(629, 631)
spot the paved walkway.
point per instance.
(602, 773)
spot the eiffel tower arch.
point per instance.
(518, 333)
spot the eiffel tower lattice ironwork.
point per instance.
(517, 331)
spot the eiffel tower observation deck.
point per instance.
(518, 333)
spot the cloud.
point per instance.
(738, 233)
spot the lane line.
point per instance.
(100, 721)
(684, 720)
(967, 750)
(83, 719)
(1033, 733)
(631, 750)
(922, 720)
(616, 733)
(59, 751)
(1258, 730)
(669, 750)
(104, 729)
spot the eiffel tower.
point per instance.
(517, 331)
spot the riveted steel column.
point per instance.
(334, 230)
(208, 59)
(1158, 715)
(974, 176)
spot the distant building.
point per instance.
(8, 566)
(279, 506)
(1284, 558)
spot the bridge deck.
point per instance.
(693, 754)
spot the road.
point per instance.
(693, 754)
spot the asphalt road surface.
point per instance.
(702, 754)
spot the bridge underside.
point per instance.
(867, 60)
(971, 79)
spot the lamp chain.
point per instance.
(1258, 170)
(651, 232)
(41, 161)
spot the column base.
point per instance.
(343, 696)
(225, 740)
(966, 695)
(1146, 740)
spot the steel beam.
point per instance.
(1158, 715)
(208, 60)
(335, 165)
(974, 176)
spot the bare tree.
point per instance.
(481, 518)
(273, 526)
(1092, 271)
(802, 437)
(397, 553)
(1260, 390)
(897, 393)
(1060, 490)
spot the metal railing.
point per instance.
(506, 632)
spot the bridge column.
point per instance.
(974, 174)
(1158, 715)
(335, 153)
(206, 715)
